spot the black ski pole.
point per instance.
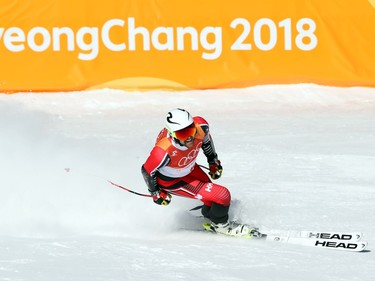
(204, 167)
(127, 189)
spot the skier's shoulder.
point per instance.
(202, 123)
(162, 134)
(163, 141)
(200, 120)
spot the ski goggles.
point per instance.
(185, 133)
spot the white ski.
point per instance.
(334, 244)
(326, 235)
(325, 240)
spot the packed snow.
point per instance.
(295, 157)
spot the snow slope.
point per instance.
(295, 157)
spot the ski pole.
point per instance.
(131, 191)
(196, 208)
(114, 184)
(204, 167)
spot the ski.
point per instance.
(334, 244)
(323, 235)
(324, 240)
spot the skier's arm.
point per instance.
(209, 151)
(208, 146)
(160, 197)
(158, 158)
(149, 179)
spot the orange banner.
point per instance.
(48, 45)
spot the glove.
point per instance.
(215, 169)
(161, 197)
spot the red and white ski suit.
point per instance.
(172, 167)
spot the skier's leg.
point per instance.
(216, 199)
(199, 174)
(202, 176)
(206, 210)
(218, 213)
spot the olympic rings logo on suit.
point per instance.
(186, 160)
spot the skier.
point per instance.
(171, 169)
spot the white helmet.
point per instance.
(178, 119)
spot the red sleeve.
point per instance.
(202, 123)
(158, 158)
(200, 120)
(208, 144)
(163, 133)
